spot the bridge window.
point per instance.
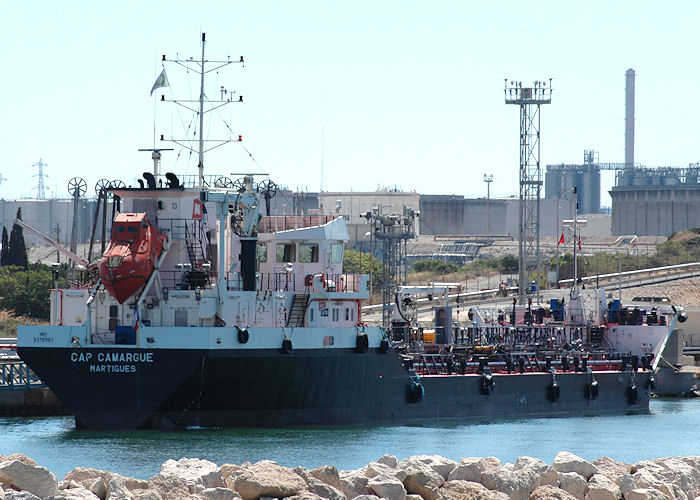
(261, 252)
(286, 252)
(119, 229)
(337, 253)
(335, 314)
(308, 252)
(132, 229)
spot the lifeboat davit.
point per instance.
(130, 257)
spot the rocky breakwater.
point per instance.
(414, 478)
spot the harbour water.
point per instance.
(672, 429)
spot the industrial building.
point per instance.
(656, 201)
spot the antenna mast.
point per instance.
(200, 68)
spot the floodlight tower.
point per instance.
(529, 99)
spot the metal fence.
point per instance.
(17, 374)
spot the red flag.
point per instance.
(561, 239)
(579, 242)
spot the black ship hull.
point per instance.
(178, 388)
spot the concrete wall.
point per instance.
(442, 214)
(654, 210)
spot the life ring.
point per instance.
(362, 343)
(309, 280)
(287, 346)
(242, 336)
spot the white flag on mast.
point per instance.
(161, 81)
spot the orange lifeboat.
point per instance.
(130, 257)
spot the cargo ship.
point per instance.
(205, 311)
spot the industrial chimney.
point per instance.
(629, 117)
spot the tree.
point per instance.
(17, 253)
(5, 252)
(361, 262)
(26, 292)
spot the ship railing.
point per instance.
(178, 280)
(276, 282)
(343, 282)
(18, 374)
(526, 361)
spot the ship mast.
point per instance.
(201, 118)
(200, 67)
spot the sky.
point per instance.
(342, 96)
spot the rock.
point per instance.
(305, 495)
(568, 462)
(645, 494)
(441, 465)
(327, 474)
(20, 495)
(574, 484)
(318, 487)
(490, 462)
(98, 487)
(414, 497)
(169, 486)
(671, 476)
(549, 492)
(22, 473)
(374, 469)
(117, 490)
(611, 468)
(387, 487)
(470, 469)
(77, 493)
(64, 485)
(601, 487)
(88, 478)
(468, 490)
(229, 473)
(422, 479)
(544, 473)
(389, 461)
(354, 483)
(266, 478)
(218, 494)
(194, 471)
(516, 484)
(147, 494)
(366, 497)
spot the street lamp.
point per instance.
(488, 179)
(362, 254)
